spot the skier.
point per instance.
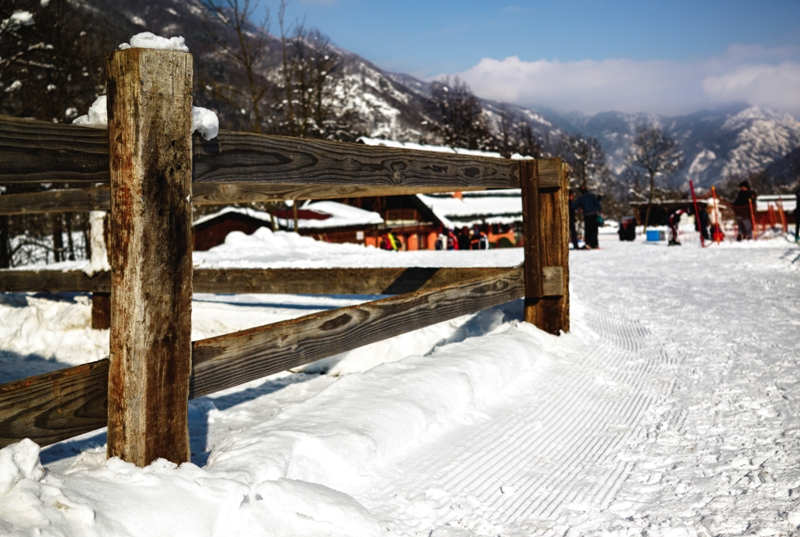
(590, 206)
(389, 241)
(674, 220)
(573, 220)
(742, 207)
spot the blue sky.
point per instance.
(592, 55)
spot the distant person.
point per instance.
(441, 242)
(701, 222)
(797, 216)
(463, 238)
(743, 206)
(573, 220)
(479, 239)
(589, 205)
(452, 240)
(389, 241)
(674, 222)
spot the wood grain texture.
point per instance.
(99, 199)
(59, 405)
(534, 285)
(232, 359)
(334, 281)
(101, 311)
(53, 281)
(150, 120)
(221, 194)
(55, 406)
(37, 151)
(337, 281)
(238, 157)
(43, 152)
(551, 313)
(74, 200)
(550, 173)
(553, 281)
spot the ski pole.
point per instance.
(697, 216)
(753, 220)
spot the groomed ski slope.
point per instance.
(670, 409)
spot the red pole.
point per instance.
(717, 217)
(753, 220)
(697, 215)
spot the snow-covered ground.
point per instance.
(671, 408)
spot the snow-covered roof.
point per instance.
(491, 207)
(787, 201)
(435, 148)
(252, 213)
(340, 215)
(327, 215)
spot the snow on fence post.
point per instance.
(546, 243)
(149, 129)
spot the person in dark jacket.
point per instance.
(589, 205)
(742, 207)
(463, 238)
(797, 216)
(573, 220)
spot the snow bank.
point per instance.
(17, 462)
(267, 249)
(339, 436)
(288, 476)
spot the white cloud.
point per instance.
(662, 86)
(773, 86)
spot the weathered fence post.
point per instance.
(546, 243)
(149, 128)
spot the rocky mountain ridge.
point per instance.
(717, 144)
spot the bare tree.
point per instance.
(586, 157)
(507, 123)
(656, 153)
(230, 26)
(52, 57)
(527, 144)
(304, 93)
(459, 116)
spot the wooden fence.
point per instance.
(155, 169)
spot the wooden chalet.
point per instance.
(324, 220)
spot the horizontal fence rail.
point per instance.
(77, 200)
(156, 170)
(62, 404)
(333, 281)
(41, 152)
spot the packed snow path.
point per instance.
(680, 414)
(670, 409)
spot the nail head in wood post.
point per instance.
(529, 181)
(149, 128)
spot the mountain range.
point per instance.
(717, 144)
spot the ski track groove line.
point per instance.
(567, 452)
